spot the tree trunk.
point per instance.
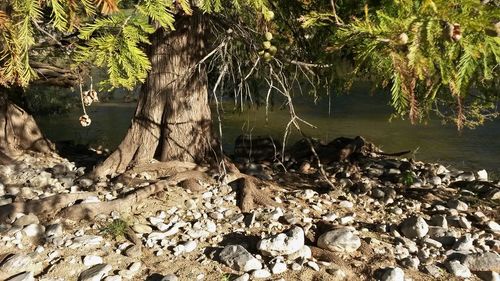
(172, 119)
(18, 132)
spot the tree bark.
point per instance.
(18, 132)
(172, 118)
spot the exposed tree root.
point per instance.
(43, 207)
(193, 180)
(251, 196)
(127, 203)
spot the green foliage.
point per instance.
(115, 43)
(116, 228)
(407, 178)
(432, 53)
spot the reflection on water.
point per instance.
(350, 115)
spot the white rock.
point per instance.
(244, 277)
(276, 214)
(346, 204)
(346, 220)
(493, 226)
(482, 175)
(393, 274)
(135, 266)
(142, 228)
(458, 205)
(339, 240)
(92, 260)
(414, 227)
(54, 230)
(260, 274)
(313, 265)
(190, 246)
(34, 230)
(86, 240)
(457, 269)
(155, 220)
(330, 217)
(170, 277)
(308, 194)
(238, 258)
(279, 266)
(283, 243)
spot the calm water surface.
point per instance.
(347, 115)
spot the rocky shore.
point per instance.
(384, 219)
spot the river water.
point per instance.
(345, 115)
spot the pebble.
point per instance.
(190, 246)
(260, 274)
(346, 204)
(393, 274)
(493, 226)
(92, 260)
(142, 228)
(457, 269)
(458, 205)
(414, 227)
(463, 222)
(54, 230)
(482, 175)
(238, 258)
(284, 243)
(170, 277)
(95, 273)
(134, 251)
(34, 230)
(339, 240)
(313, 265)
(278, 266)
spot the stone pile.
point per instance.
(401, 220)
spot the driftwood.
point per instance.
(339, 149)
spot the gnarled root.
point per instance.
(42, 207)
(125, 204)
(250, 195)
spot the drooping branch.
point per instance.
(53, 75)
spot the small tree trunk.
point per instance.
(18, 132)
(172, 119)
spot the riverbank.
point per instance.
(376, 217)
(349, 115)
